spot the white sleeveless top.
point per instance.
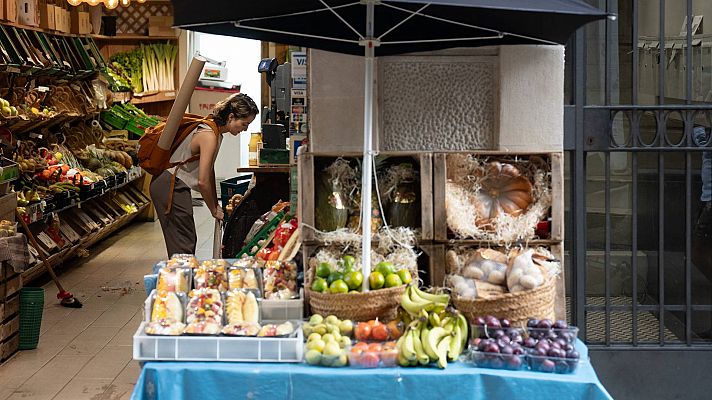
(189, 172)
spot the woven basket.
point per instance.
(518, 307)
(382, 304)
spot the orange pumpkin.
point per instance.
(502, 190)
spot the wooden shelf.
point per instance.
(132, 38)
(155, 98)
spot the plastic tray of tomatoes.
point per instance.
(378, 331)
(373, 355)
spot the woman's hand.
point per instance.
(218, 214)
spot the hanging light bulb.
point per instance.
(75, 2)
(111, 4)
(141, 1)
(93, 2)
(125, 3)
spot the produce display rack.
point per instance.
(308, 164)
(10, 284)
(94, 233)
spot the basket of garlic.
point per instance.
(518, 284)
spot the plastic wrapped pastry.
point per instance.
(164, 327)
(203, 328)
(280, 280)
(211, 275)
(241, 306)
(241, 329)
(523, 273)
(205, 305)
(166, 306)
(174, 279)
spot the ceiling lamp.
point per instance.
(111, 4)
(93, 2)
(75, 2)
(125, 3)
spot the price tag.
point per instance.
(42, 89)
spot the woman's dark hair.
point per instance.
(239, 105)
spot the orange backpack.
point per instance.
(155, 160)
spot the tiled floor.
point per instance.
(86, 353)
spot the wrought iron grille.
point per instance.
(639, 152)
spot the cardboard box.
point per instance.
(47, 16)
(58, 15)
(10, 10)
(8, 204)
(80, 22)
(28, 12)
(161, 26)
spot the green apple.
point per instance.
(346, 327)
(320, 329)
(314, 336)
(328, 338)
(336, 335)
(316, 319)
(345, 342)
(318, 345)
(312, 357)
(332, 329)
(340, 361)
(332, 319)
(308, 330)
(332, 349)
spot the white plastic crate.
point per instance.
(218, 348)
(282, 310)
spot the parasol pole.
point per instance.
(369, 43)
(181, 102)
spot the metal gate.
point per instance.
(639, 227)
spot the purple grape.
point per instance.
(516, 338)
(514, 363)
(497, 363)
(547, 366)
(532, 323)
(568, 347)
(551, 335)
(573, 354)
(494, 324)
(505, 323)
(539, 352)
(498, 334)
(557, 353)
(562, 367)
(480, 321)
(561, 341)
(544, 345)
(506, 350)
(530, 342)
(560, 324)
(555, 345)
(544, 324)
(517, 351)
(475, 342)
(492, 348)
(505, 339)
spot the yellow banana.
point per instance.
(455, 347)
(409, 346)
(441, 351)
(433, 298)
(423, 358)
(435, 336)
(423, 338)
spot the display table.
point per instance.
(213, 380)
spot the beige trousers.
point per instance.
(178, 226)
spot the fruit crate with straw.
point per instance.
(330, 186)
(498, 197)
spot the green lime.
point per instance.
(404, 276)
(393, 280)
(354, 280)
(319, 285)
(339, 286)
(385, 268)
(348, 261)
(323, 270)
(334, 276)
(376, 280)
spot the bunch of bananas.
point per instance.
(435, 333)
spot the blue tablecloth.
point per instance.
(216, 380)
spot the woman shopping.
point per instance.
(195, 156)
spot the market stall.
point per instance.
(444, 279)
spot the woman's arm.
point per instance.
(207, 142)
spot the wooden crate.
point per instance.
(9, 347)
(440, 174)
(9, 307)
(309, 163)
(9, 328)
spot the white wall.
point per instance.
(242, 56)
